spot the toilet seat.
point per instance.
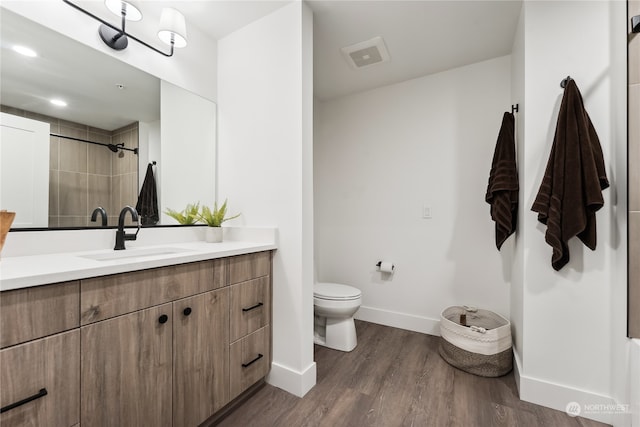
(335, 292)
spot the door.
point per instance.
(24, 170)
(126, 370)
(40, 382)
(201, 357)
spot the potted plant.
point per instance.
(188, 216)
(214, 219)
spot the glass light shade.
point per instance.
(115, 6)
(172, 23)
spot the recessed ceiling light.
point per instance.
(23, 50)
(58, 102)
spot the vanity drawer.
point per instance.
(109, 296)
(250, 360)
(47, 371)
(30, 313)
(250, 266)
(250, 307)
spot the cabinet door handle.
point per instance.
(41, 393)
(258, 357)
(163, 318)
(252, 307)
(186, 311)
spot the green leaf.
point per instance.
(215, 217)
(187, 216)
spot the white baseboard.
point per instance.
(516, 368)
(557, 396)
(395, 319)
(292, 381)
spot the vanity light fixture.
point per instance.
(173, 30)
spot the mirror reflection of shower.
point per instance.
(116, 148)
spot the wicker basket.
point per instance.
(6, 219)
(482, 347)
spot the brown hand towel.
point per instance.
(571, 189)
(502, 191)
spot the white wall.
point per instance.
(187, 150)
(573, 323)
(380, 156)
(264, 81)
(518, 97)
(193, 68)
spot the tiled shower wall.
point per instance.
(634, 173)
(84, 176)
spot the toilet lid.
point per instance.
(335, 291)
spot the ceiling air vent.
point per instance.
(366, 53)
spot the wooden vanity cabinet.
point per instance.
(39, 361)
(30, 313)
(126, 369)
(250, 312)
(171, 361)
(169, 346)
(200, 357)
(41, 380)
(164, 365)
(109, 296)
(250, 360)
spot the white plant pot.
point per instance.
(213, 234)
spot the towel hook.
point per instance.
(515, 108)
(563, 83)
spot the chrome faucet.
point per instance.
(103, 213)
(121, 236)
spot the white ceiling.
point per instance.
(68, 70)
(423, 37)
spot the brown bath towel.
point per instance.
(502, 191)
(571, 189)
(147, 205)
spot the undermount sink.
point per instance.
(134, 253)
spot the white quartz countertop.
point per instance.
(33, 270)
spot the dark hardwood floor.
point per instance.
(396, 378)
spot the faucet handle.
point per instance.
(138, 229)
(136, 218)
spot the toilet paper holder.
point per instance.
(385, 268)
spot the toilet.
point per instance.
(334, 305)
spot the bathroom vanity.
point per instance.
(168, 345)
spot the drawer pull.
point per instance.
(186, 311)
(253, 307)
(41, 393)
(244, 365)
(163, 318)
